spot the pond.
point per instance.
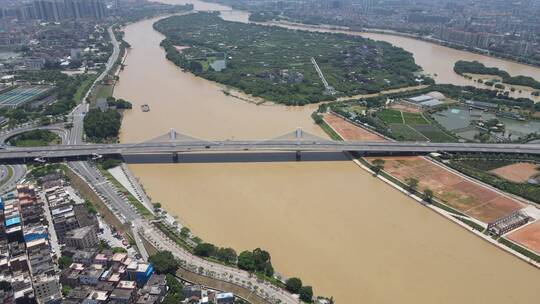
(458, 119)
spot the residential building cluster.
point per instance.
(56, 10)
(68, 46)
(36, 223)
(28, 273)
(107, 277)
(196, 294)
(69, 218)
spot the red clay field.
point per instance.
(466, 196)
(528, 236)
(518, 172)
(348, 131)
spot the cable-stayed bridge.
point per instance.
(297, 141)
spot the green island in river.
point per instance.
(463, 67)
(276, 63)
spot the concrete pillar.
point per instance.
(298, 155)
(175, 157)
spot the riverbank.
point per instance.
(449, 211)
(305, 213)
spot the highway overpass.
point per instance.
(178, 147)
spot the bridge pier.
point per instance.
(175, 157)
(298, 156)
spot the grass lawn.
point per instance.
(35, 138)
(358, 109)
(406, 133)
(328, 130)
(84, 87)
(414, 119)
(390, 116)
(434, 133)
(104, 91)
(36, 143)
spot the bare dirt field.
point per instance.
(348, 131)
(518, 172)
(468, 197)
(405, 108)
(528, 236)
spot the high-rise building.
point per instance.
(367, 6)
(58, 10)
(49, 10)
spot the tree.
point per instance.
(306, 294)
(103, 245)
(175, 295)
(428, 195)
(378, 165)
(262, 262)
(184, 232)
(412, 183)
(164, 262)
(110, 163)
(227, 255)
(102, 125)
(157, 205)
(66, 289)
(205, 249)
(174, 285)
(258, 260)
(64, 261)
(246, 261)
(293, 285)
(119, 250)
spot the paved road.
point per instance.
(104, 189)
(77, 115)
(28, 127)
(9, 182)
(53, 237)
(116, 200)
(251, 145)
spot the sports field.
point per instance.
(22, 95)
(528, 236)
(348, 131)
(456, 191)
(462, 194)
(518, 172)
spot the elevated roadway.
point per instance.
(176, 147)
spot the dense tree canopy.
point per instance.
(164, 262)
(474, 67)
(100, 125)
(275, 63)
(257, 260)
(34, 138)
(306, 294)
(293, 285)
(205, 249)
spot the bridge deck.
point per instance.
(272, 145)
